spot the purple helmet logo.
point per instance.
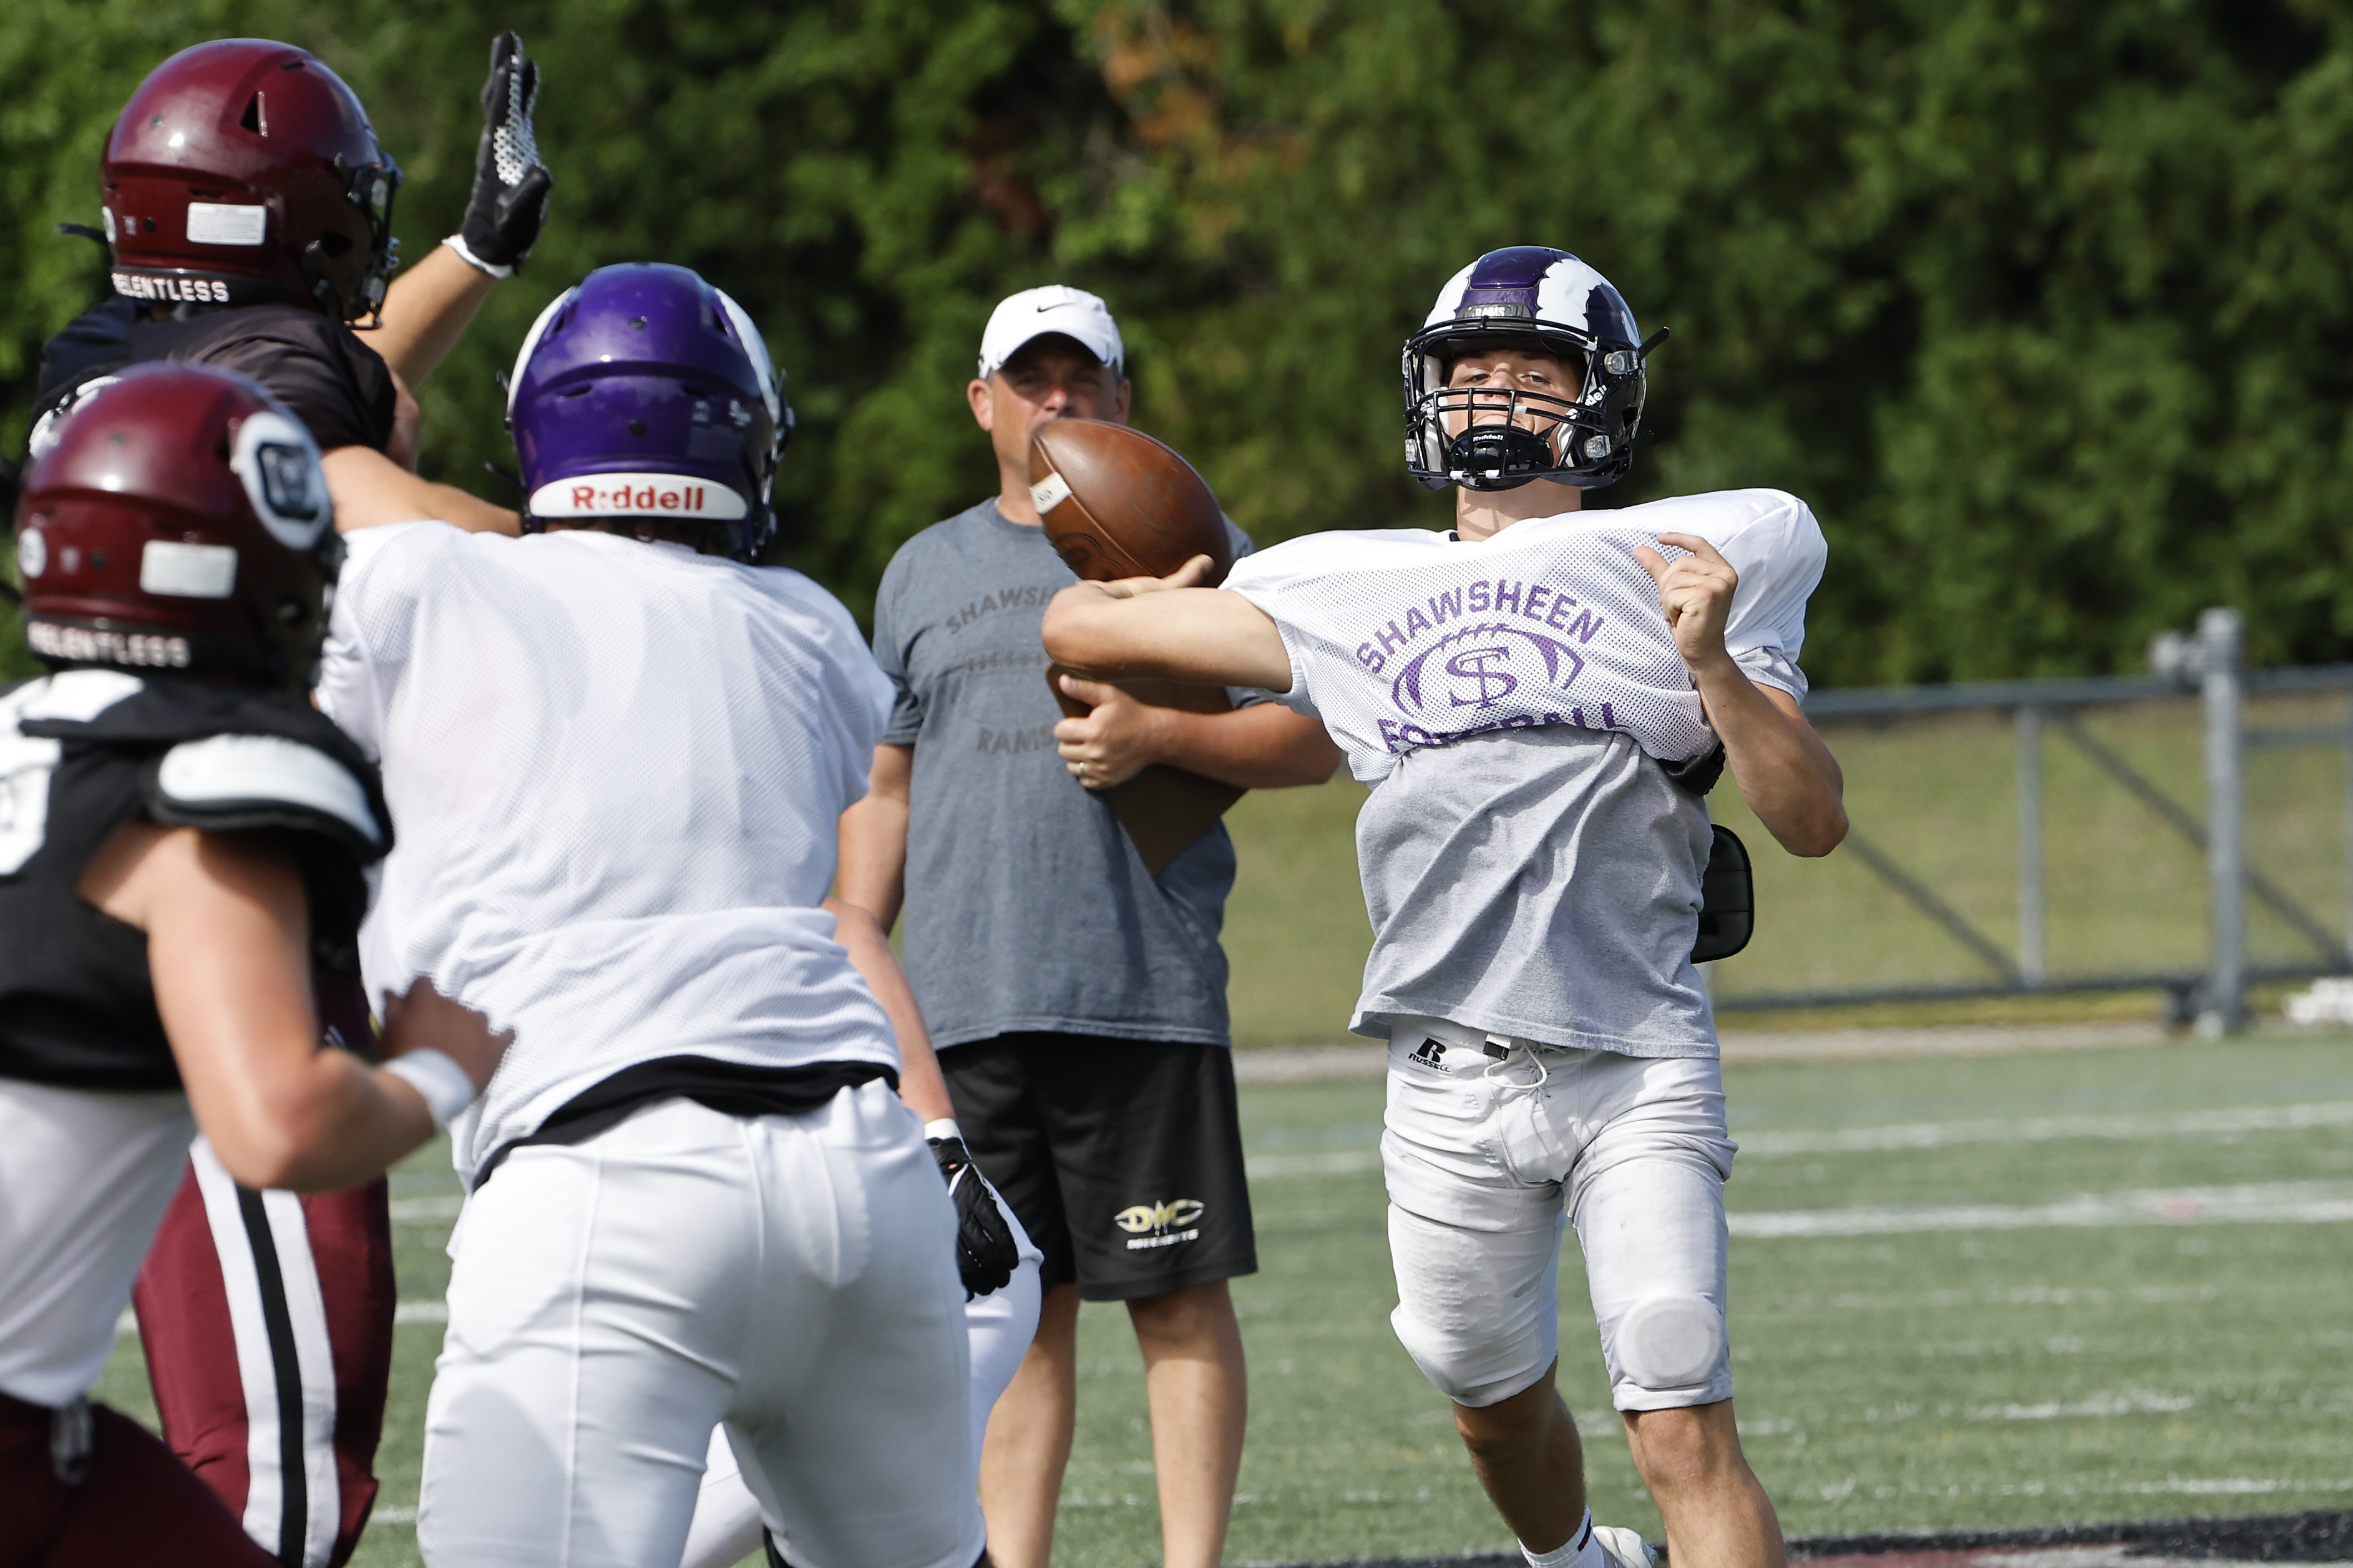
(645, 393)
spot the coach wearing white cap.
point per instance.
(1077, 1001)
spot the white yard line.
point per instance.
(2233, 1122)
(1768, 1143)
(2265, 1203)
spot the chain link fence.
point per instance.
(2190, 832)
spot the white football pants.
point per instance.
(792, 1277)
(1488, 1145)
(999, 1327)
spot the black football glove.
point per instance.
(509, 200)
(986, 1253)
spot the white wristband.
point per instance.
(436, 1076)
(457, 242)
(944, 1127)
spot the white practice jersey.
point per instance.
(1403, 638)
(1529, 869)
(613, 769)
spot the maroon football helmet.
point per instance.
(244, 171)
(179, 521)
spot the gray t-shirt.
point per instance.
(1540, 882)
(1028, 907)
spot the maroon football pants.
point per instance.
(132, 1502)
(267, 1319)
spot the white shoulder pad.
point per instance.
(229, 770)
(76, 695)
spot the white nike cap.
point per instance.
(1056, 308)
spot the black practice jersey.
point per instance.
(84, 752)
(335, 383)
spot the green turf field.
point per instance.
(2123, 893)
(2123, 1364)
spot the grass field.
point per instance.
(1988, 1290)
(2124, 894)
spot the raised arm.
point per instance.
(227, 925)
(1164, 626)
(426, 310)
(429, 307)
(1784, 771)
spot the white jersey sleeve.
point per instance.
(1772, 541)
(1402, 639)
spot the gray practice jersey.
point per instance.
(1530, 869)
(1028, 907)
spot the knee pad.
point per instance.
(1670, 1341)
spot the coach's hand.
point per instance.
(1695, 591)
(511, 185)
(1118, 739)
(986, 1253)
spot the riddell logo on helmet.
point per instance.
(636, 495)
(171, 290)
(641, 498)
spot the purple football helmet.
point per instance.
(644, 392)
(1535, 297)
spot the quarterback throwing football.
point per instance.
(1540, 699)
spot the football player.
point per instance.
(1540, 699)
(568, 439)
(183, 839)
(617, 753)
(249, 216)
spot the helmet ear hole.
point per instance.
(251, 119)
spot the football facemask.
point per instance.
(1483, 438)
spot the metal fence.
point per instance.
(2208, 662)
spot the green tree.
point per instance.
(2043, 307)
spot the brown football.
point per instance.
(1117, 503)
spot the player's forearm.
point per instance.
(1260, 747)
(919, 1083)
(1786, 774)
(463, 509)
(872, 870)
(426, 312)
(371, 490)
(334, 1125)
(1203, 635)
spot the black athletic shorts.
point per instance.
(1123, 1158)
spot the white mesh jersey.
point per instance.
(1402, 638)
(614, 769)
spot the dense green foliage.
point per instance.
(2043, 306)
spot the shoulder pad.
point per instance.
(231, 781)
(279, 755)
